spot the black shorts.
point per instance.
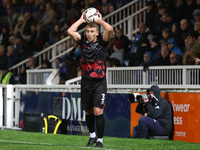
(93, 93)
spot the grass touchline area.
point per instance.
(20, 140)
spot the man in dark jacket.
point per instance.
(158, 121)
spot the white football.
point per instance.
(91, 15)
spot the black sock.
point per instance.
(90, 122)
(100, 125)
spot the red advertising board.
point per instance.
(186, 107)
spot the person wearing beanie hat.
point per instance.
(118, 51)
(159, 119)
(196, 16)
(118, 44)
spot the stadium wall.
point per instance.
(119, 112)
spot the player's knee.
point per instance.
(98, 111)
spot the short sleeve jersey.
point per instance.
(93, 58)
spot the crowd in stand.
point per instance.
(170, 34)
(29, 26)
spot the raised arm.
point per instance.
(72, 31)
(108, 29)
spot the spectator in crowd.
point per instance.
(111, 8)
(40, 13)
(120, 3)
(12, 41)
(115, 62)
(173, 47)
(29, 20)
(39, 36)
(12, 17)
(189, 58)
(20, 42)
(190, 6)
(49, 17)
(108, 62)
(198, 3)
(65, 27)
(143, 34)
(103, 2)
(76, 51)
(96, 4)
(33, 35)
(31, 65)
(160, 25)
(185, 28)
(166, 34)
(159, 3)
(6, 77)
(142, 42)
(147, 58)
(160, 19)
(13, 56)
(151, 14)
(73, 4)
(196, 16)
(169, 20)
(4, 36)
(175, 59)
(197, 27)
(58, 6)
(179, 11)
(111, 43)
(192, 44)
(61, 66)
(118, 51)
(28, 6)
(176, 34)
(46, 64)
(163, 42)
(19, 27)
(126, 43)
(105, 10)
(25, 52)
(159, 119)
(55, 35)
(155, 48)
(3, 56)
(137, 58)
(164, 60)
(73, 15)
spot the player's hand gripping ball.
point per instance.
(91, 15)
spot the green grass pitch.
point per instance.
(20, 140)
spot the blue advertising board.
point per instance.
(68, 106)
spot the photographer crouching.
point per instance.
(158, 120)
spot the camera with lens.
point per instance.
(136, 97)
